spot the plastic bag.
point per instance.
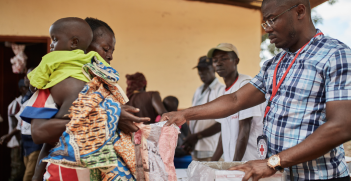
(218, 171)
(154, 150)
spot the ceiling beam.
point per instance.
(315, 3)
(252, 4)
(231, 2)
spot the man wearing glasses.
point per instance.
(307, 88)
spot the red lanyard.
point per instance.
(275, 87)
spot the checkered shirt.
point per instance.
(320, 74)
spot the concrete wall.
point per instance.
(161, 38)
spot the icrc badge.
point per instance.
(262, 147)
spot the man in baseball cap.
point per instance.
(226, 47)
(240, 130)
(204, 134)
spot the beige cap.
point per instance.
(227, 47)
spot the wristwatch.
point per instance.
(274, 163)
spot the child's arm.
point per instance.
(41, 166)
(64, 94)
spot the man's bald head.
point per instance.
(70, 33)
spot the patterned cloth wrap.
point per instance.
(92, 139)
(155, 145)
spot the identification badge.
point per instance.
(262, 147)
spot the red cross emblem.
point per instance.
(262, 149)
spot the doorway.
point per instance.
(36, 48)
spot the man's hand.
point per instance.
(255, 169)
(190, 142)
(176, 117)
(5, 139)
(127, 118)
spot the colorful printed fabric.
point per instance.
(92, 133)
(56, 66)
(155, 147)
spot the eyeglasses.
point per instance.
(270, 22)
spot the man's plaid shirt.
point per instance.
(320, 74)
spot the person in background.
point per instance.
(239, 131)
(170, 103)
(13, 138)
(203, 137)
(29, 93)
(149, 102)
(31, 150)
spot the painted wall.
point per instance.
(161, 38)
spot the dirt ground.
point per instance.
(347, 147)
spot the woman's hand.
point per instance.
(127, 118)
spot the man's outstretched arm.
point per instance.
(246, 97)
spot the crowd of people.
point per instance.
(293, 115)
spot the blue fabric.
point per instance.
(28, 145)
(320, 74)
(30, 113)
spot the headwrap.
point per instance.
(135, 82)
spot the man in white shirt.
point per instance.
(12, 139)
(204, 135)
(238, 140)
